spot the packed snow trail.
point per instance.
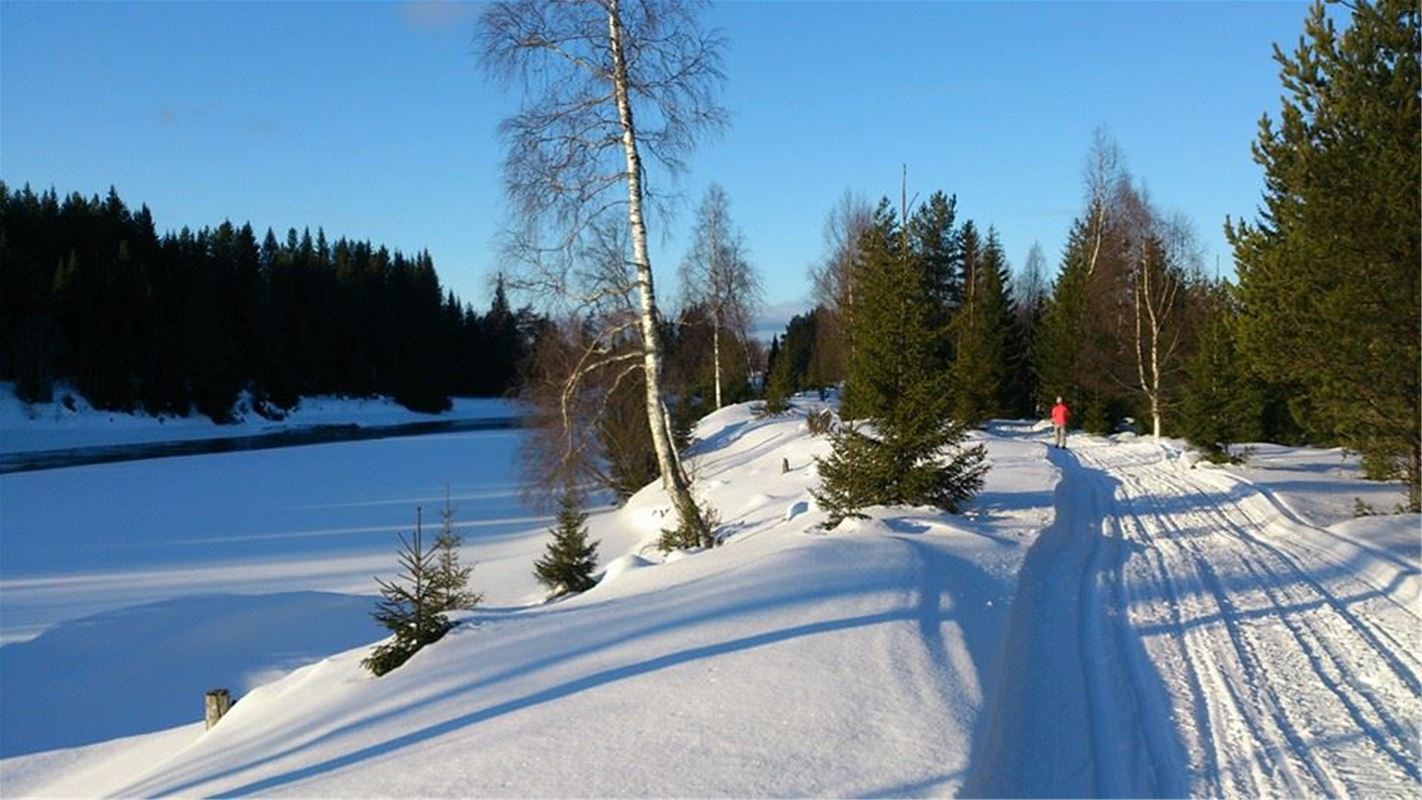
(1079, 711)
(1176, 631)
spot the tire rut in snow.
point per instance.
(1078, 709)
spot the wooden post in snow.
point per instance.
(216, 703)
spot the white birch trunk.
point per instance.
(673, 481)
(716, 354)
(1148, 339)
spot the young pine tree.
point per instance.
(568, 563)
(913, 455)
(408, 607)
(451, 579)
(777, 384)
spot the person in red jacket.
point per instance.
(1060, 415)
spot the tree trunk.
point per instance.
(1414, 477)
(716, 355)
(673, 481)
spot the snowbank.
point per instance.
(69, 422)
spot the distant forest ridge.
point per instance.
(172, 323)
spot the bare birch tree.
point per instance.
(717, 276)
(1029, 286)
(1155, 290)
(604, 83)
(1106, 180)
(832, 279)
(1160, 255)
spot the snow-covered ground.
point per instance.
(69, 422)
(94, 559)
(1110, 619)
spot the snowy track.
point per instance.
(1177, 631)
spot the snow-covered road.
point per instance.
(1178, 631)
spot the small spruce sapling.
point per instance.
(451, 579)
(777, 389)
(686, 537)
(568, 563)
(409, 606)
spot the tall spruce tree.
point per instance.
(1076, 343)
(937, 241)
(1029, 295)
(1223, 403)
(1331, 264)
(903, 447)
(568, 563)
(983, 330)
(777, 382)
(1057, 346)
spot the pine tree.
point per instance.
(938, 245)
(451, 579)
(777, 382)
(1222, 403)
(409, 606)
(1331, 265)
(905, 449)
(567, 565)
(1071, 348)
(983, 330)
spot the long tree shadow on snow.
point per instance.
(927, 614)
(145, 668)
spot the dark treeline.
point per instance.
(91, 293)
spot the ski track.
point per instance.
(1079, 710)
(1284, 676)
(1175, 632)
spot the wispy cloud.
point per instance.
(261, 126)
(173, 115)
(772, 319)
(435, 15)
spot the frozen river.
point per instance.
(146, 582)
(83, 539)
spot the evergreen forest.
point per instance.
(173, 323)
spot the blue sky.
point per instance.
(373, 120)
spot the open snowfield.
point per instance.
(1107, 620)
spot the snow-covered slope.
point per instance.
(786, 662)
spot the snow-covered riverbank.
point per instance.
(69, 422)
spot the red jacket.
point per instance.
(1060, 414)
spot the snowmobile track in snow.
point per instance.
(1170, 636)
